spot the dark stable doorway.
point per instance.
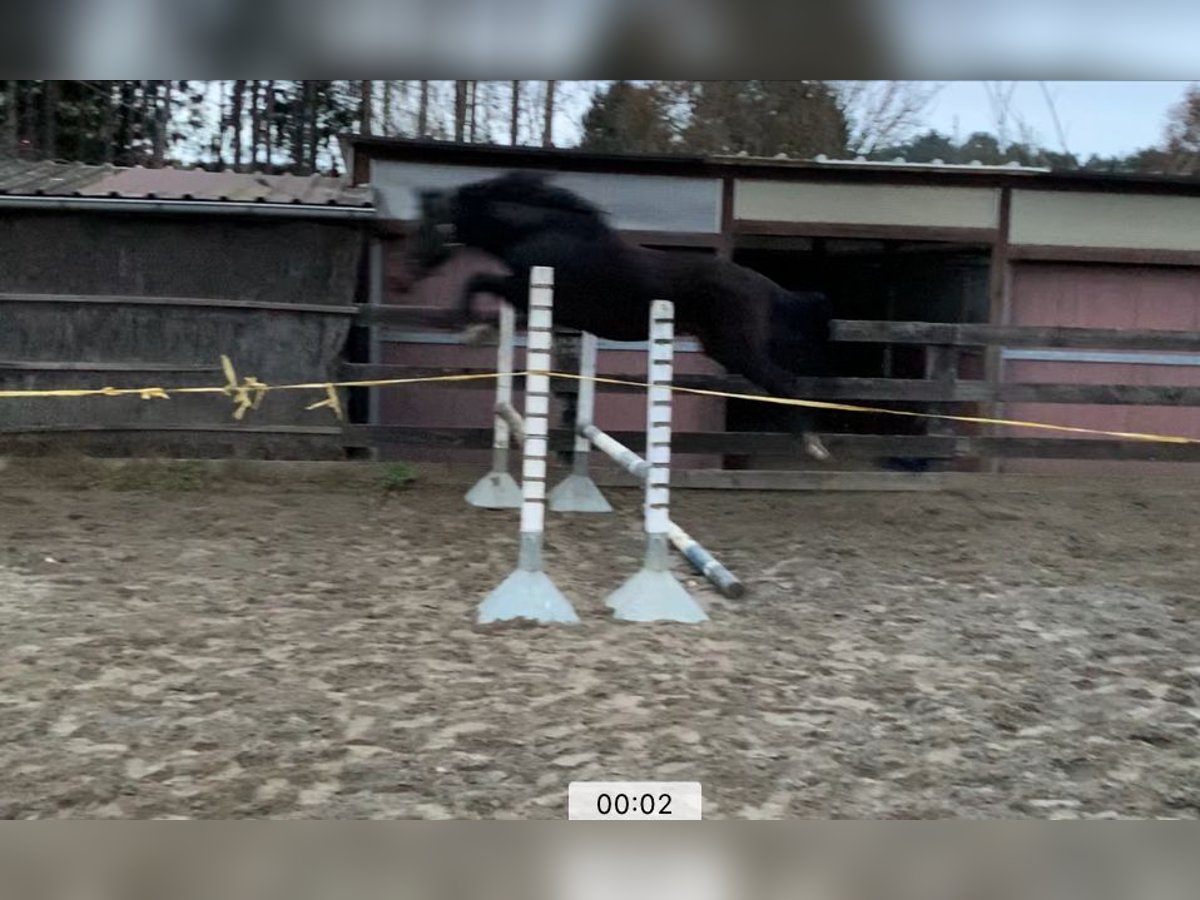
(866, 279)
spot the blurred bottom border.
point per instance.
(595, 860)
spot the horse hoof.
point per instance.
(479, 335)
(816, 449)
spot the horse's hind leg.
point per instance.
(776, 380)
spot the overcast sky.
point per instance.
(1103, 117)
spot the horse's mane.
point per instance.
(531, 188)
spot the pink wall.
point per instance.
(1124, 297)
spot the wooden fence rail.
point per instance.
(942, 386)
(774, 444)
(863, 331)
(766, 444)
(943, 390)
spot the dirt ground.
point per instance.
(205, 649)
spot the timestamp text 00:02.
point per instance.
(623, 804)
(600, 800)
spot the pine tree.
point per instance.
(764, 118)
(629, 118)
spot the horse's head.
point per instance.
(436, 234)
(497, 213)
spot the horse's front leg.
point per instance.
(507, 287)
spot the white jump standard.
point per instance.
(654, 594)
(497, 489)
(577, 492)
(528, 593)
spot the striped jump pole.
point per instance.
(654, 594)
(528, 593)
(497, 489)
(702, 561)
(578, 492)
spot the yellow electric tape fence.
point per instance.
(248, 393)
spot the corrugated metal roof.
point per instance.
(53, 179)
(19, 177)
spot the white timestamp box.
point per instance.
(666, 801)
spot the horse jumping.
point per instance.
(605, 284)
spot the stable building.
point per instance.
(895, 241)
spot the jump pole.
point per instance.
(654, 594)
(528, 593)
(702, 561)
(578, 492)
(498, 489)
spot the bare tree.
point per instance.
(548, 116)
(268, 141)
(460, 110)
(299, 127)
(1182, 137)
(1001, 98)
(364, 101)
(472, 109)
(28, 136)
(312, 113)
(10, 118)
(161, 104)
(386, 121)
(1059, 130)
(105, 107)
(255, 122)
(514, 119)
(49, 118)
(423, 111)
(880, 113)
(217, 142)
(235, 122)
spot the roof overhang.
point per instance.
(361, 149)
(196, 207)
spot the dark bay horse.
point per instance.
(604, 284)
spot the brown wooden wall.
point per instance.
(93, 300)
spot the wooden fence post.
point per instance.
(566, 356)
(941, 367)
